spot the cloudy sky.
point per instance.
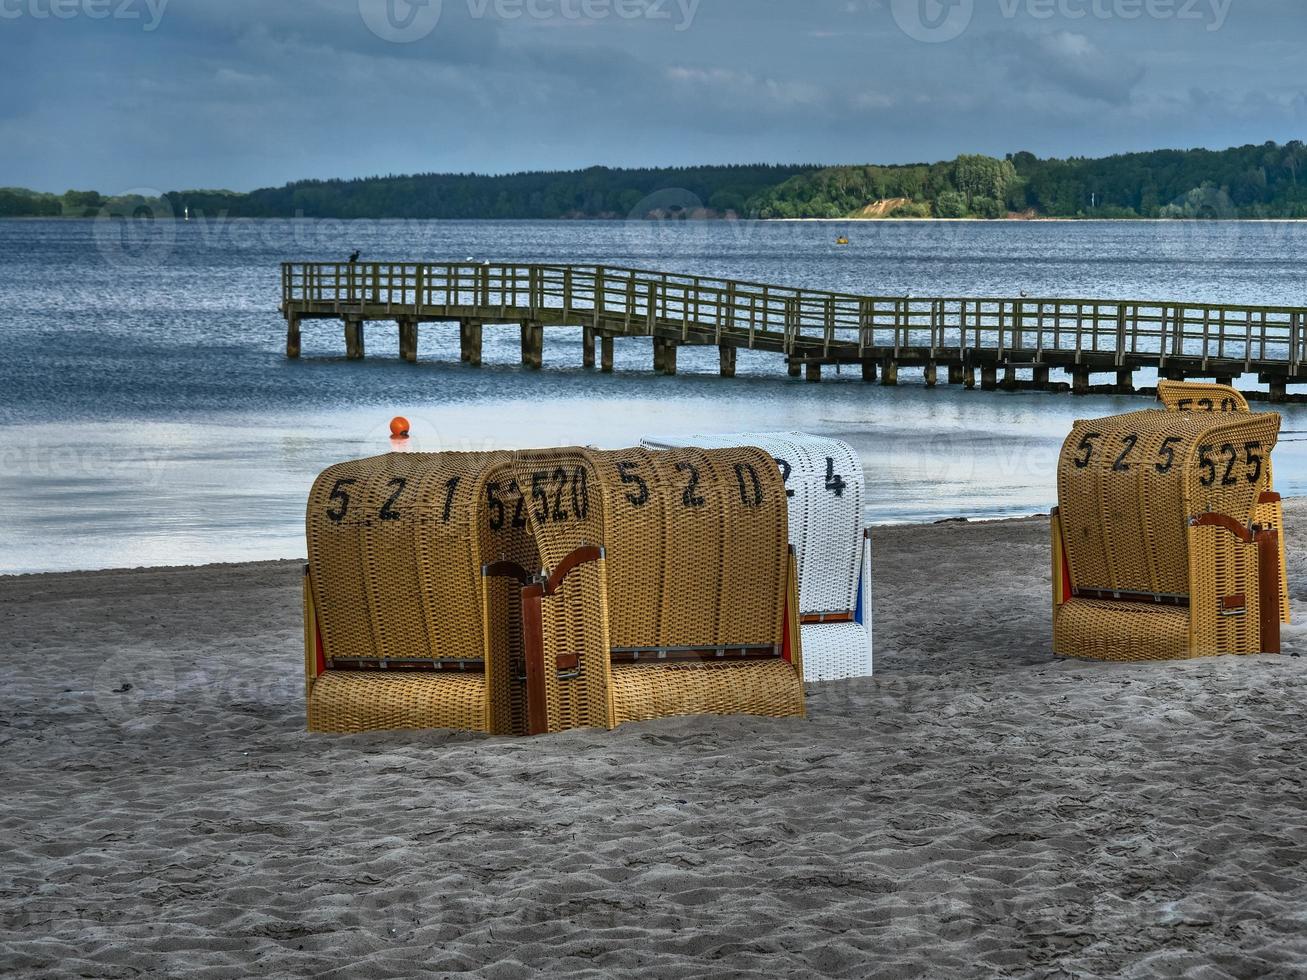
(171, 94)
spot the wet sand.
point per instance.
(979, 808)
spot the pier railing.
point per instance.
(806, 322)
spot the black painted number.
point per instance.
(539, 495)
(519, 511)
(629, 476)
(496, 507)
(1087, 448)
(1167, 454)
(559, 480)
(834, 482)
(689, 497)
(450, 489)
(786, 470)
(1231, 457)
(1206, 464)
(750, 486)
(580, 493)
(1252, 458)
(339, 495)
(1254, 461)
(1205, 405)
(1130, 441)
(388, 512)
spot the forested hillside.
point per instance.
(1266, 181)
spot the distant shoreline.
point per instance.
(715, 220)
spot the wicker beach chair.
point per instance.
(825, 488)
(1200, 396)
(412, 605)
(1156, 553)
(1197, 396)
(668, 587)
(425, 605)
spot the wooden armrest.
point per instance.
(1244, 534)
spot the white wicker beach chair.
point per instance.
(824, 483)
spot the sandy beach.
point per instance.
(979, 808)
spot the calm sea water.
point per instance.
(148, 415)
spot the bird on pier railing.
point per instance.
(354, 256)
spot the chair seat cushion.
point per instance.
(766, 687)
(1100, 629)
(347, 702)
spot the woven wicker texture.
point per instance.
(1199, 396)
(825, 489)
(1126, 631)
(715, 525)
(564, 511)
(835, 651)
(346, 703)
(645, 692)
(422, 558)
(505, 543)
(1127, 488)
(1193, 396)
(396, 569)
(696, 558)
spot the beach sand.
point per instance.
(978, 808)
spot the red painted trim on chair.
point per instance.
(1225, 521)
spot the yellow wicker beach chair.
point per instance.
(412, 604)
(1200, 396)
(669, 587)
(1195, 396)
(1156, 553)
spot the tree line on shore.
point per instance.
(1242, 182)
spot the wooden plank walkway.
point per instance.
(810, 328)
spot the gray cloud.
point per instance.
(245, 93)
(1071, 63)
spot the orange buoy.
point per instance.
(399, 427)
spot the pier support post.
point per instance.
(794, 367)
(931, 374)
(1080, 380)
(968, 377)
(812, 371)
(669, 356)
(868, 370)
(955, 374)
(1125, 381)
(988, 377)
(292, 335)
(664, 356)
(469, 342)
(408, 339)
(353, 338)
(587, 347)
(1040, 376)
(606, 354)
(1009, 378)
(726, 356)
(889, 372)
(533, 344)
(1278, 390)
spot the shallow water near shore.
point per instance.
(150, 417)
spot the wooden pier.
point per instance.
(812, 329)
